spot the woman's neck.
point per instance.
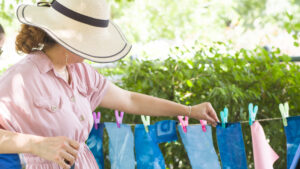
(57, 55)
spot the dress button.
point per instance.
(81, 118)
(53, 108)
(72, 99)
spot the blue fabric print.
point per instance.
(292, 133)
(95, 143)
(10, 161)
(148, 154)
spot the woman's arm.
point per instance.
(136, 103)
(61, 150)
(11, 142)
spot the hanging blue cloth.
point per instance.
(121, 148)
(166, 131)
(95, 143)
(231, 146)
(148, 154)
(199, 147)
(10, 161)
(296, 161)
(292, 134)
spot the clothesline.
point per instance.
(267, 119)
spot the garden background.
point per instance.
(229, 52)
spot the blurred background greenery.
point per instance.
(229, 52)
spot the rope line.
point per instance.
(267, 119)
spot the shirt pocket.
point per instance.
(49, 104)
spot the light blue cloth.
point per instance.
(231, 146)
(199, 147)
(121, 148)
(292, 133)
(95, 143)
(10, 161)
(148, 154)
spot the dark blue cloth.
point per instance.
(95, 143)
(148, 154)
(10, 161)
(292, 133)
(231, 146)
(296, 161)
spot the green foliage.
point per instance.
(223, 77)
(292, 26)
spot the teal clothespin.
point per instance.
(252, 113)
(224, 116)
(146, 122)
(284, 110)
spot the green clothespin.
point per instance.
(224, 117)
(284, 110)
(252, 113)
(146, 122)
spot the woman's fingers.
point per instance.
(74, 144)
(212, 113)
(61, 162)
(68, 158)
(71, 151)
(211, 121)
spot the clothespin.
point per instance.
(96, 119)
(146, 122)
(203, 124)
(119, 118)
(184, 123)
(252, 113)
(224, 117)
(284, 110)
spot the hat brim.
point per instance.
(96, 44)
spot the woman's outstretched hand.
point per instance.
(205, 111)
(60, 150)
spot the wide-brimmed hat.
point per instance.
(82, 26)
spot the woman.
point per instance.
(2, 38)
(7, 161)
(46, 99)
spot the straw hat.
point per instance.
(81, 26)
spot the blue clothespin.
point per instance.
(224, 117)
(284, 110)
(252, 113)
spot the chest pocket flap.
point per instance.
(52, 104)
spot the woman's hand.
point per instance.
(205, 111)
(60, 150)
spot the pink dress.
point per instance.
(34, 99)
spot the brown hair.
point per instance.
(2, 32)
(31, 38)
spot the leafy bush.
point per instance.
(221, 76)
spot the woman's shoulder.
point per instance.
(23, 70)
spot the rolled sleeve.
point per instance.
(97, 86)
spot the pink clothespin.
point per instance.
(96, 119)
(119, 118)
(184, 123)
(203, 124)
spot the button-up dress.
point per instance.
(34, 99)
